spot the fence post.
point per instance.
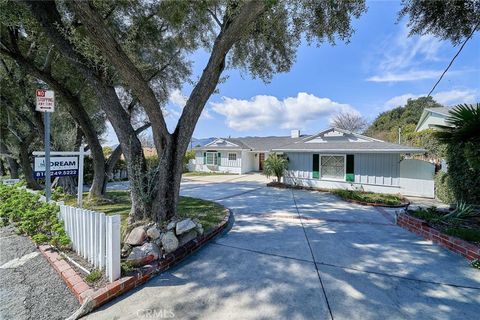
(113, 247)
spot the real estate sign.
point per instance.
(59, 167)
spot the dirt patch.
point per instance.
(102, 281)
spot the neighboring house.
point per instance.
(431, 117)
(332, 158)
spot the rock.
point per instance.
(169, 242)
(126, 250)
(137, 236)
(153, 233)
(143, 255)
(171, 225)
(190, 235)
(199, 227)
(185, 226)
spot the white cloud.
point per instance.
(263, 111)
(404, 58)
(446, 98)
(179, 100)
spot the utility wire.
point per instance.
(454, 57)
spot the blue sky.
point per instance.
(378, 70)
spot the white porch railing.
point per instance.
(94, 236)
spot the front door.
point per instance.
(261, 159)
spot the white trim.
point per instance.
(339, 130)
(232, 153)
(215, 160)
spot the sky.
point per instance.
(379, 69)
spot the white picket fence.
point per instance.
(95, 236)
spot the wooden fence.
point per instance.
(94, 236)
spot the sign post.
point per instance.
(46, 104)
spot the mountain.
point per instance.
(200, 142)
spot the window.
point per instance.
(332, 167)
(211, 158)
(232, 156)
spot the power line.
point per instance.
(454, 57)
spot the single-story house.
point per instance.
(333, 158)
(431, 117)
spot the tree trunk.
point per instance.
(25, 163)
(2, 168)
(13, 167)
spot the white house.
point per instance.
(332, 158)
(431, 117)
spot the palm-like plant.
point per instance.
(275, 165)
(463, 127)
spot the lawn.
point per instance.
(118, 202)
(369, 197)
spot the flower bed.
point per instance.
(359, 197)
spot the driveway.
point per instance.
(304, 255)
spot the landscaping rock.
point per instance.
(184, 226)
(137, 236)
(126, 249)
(199, 228)
(169, 242)
(190, 235)
(143, 255)
(153, 233)
(171, 225)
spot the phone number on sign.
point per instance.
(57, 173)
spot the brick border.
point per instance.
(83, 291)
(421, 227)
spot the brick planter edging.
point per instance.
(83, 291)
(421, 227)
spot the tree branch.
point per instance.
(114, 53)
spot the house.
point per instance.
(332, 158)
(431, 117)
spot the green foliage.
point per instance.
(385, 126)
(475, 263)
(369, 197)
(424, 139)
(472, 235)
(443, 188)
(189, 155)
(126, 267)
(462, 212)
(429, 214)
(94, 276)
(463, 180)
(451, 20)
(275, 165)
(31, 217)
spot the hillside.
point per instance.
(385, 126)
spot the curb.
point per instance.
(454, 244)
(84, 292)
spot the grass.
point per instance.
(93, 276)
(369, 197)
(118, 202)
(200, 174)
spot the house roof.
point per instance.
(325, 141)
(329, 140)
(443, 111)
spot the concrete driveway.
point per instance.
(304, 255)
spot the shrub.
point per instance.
(472, 235)
(31, 217)
(443, 189)
(275, 165)
(369, 197)
(428, 214)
